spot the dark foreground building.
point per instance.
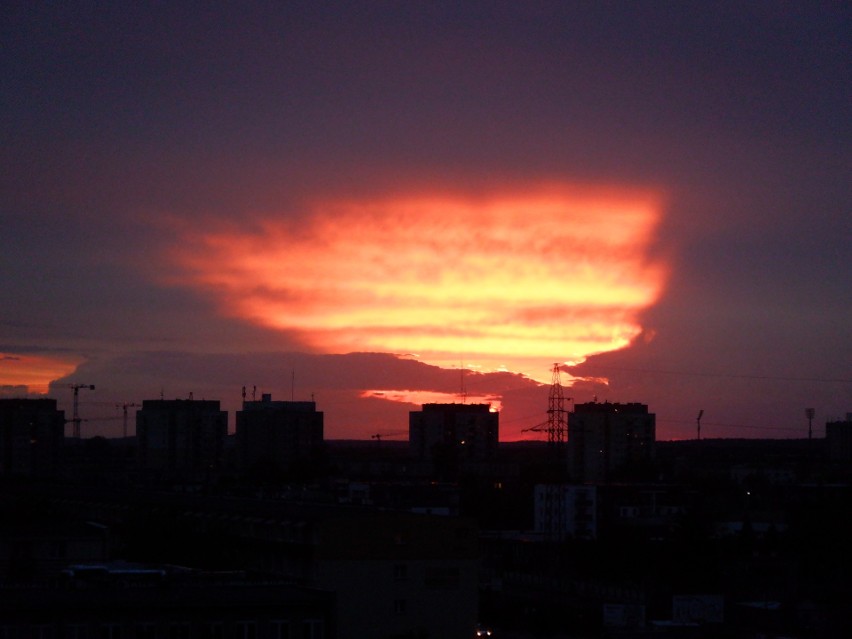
(609, 441)
(838, 437)
(278, 432)
(391, 574)
(129, 601)
(453, 436)
(31, 436)
(181, 438)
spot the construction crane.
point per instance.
(75, 420)
(390, 433)
(124, 406)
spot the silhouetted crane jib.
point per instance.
(388, 434)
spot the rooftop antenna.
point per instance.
(293, 386)
(463, 390)
(698, 422)
(809, 413)
(244, 396)
(254, 393)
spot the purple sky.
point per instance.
(127, 125)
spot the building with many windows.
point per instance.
(129, 601)
(181, 438)
(607, 441)
(463, 432)
(280, 432)
(390, 574)
(565, 511)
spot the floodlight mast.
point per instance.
(809, 413)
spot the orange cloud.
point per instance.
(514, 282)
(33, 373)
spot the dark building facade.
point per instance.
(391, 574)
(181, 437)
(31, 437)
(278, 431)
(468, 432)
(838, 437)
(116, 601)
(605, 440)
(36, 551)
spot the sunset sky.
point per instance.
(378, 204)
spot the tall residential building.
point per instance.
(607, 440)
(279, 431)
(183, 437)
(468, 432)
(31, 436)
(838, 437)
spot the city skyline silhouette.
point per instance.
(197, 198)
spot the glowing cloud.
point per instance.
(513, 282)
(25, 374)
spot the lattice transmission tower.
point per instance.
(557, 419)
(557, 435)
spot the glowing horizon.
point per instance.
(420, 397)
(33, 372)
(512, 283)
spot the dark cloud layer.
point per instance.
(121, 123)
